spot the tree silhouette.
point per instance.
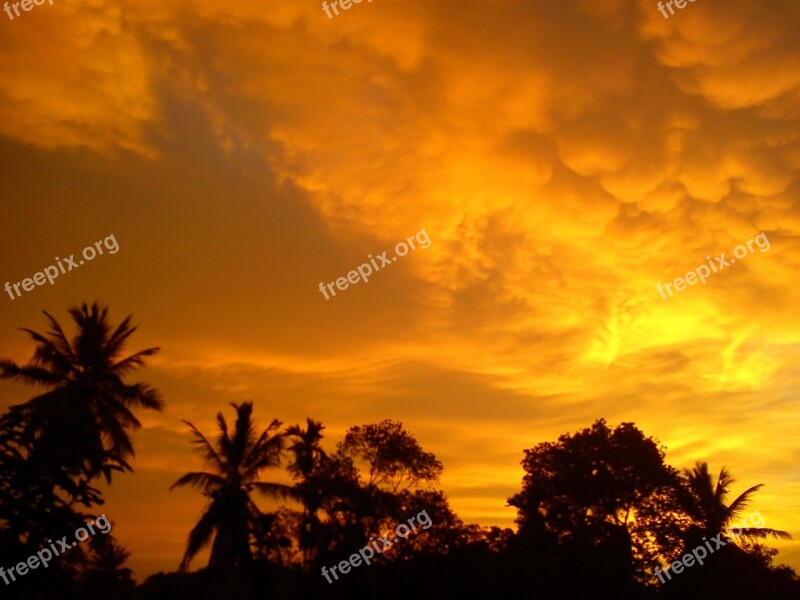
(383, 476)
(341, 505)
(589, 481)
(237, 461)
(582, 499)
(393, 457)
(742, 570)
(308, 456)
(705, 503)
(81, 421)
(54, 445)
(306, 448)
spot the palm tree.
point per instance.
(237, 460)
(80, 423)
(705, 503)
(308, 457)
(306, 449)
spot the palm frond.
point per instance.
(206, 448)
(112, 405)
(116, 340)
(202, 479)
(742, 501)
(115, 431)
(29, 373)
(140, 394)
(265, 453)
(724, 483)
(59, 339)
(199, 536)
(133, 361)
(278, 491)
(761, 533)
(223, 440)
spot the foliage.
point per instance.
(237, 460)
(393, 457)
(79, 425)
(55, 445)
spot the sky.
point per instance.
(562, 158)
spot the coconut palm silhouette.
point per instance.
(705, 503)
(237, 461)
(82, 420)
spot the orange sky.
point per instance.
(564, 157)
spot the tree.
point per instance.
(742, 569)
(705, 503)
(392, 455)
(237, 460)
(343, 507)
(589, 480)
(81, 422)
(399, 481)
(583, 496)
(306, 464)
(277, 537)
(31, 507)
(54, 445)
(306, 448)
(445, 534)
(334, 503)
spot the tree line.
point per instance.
(598, 510)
